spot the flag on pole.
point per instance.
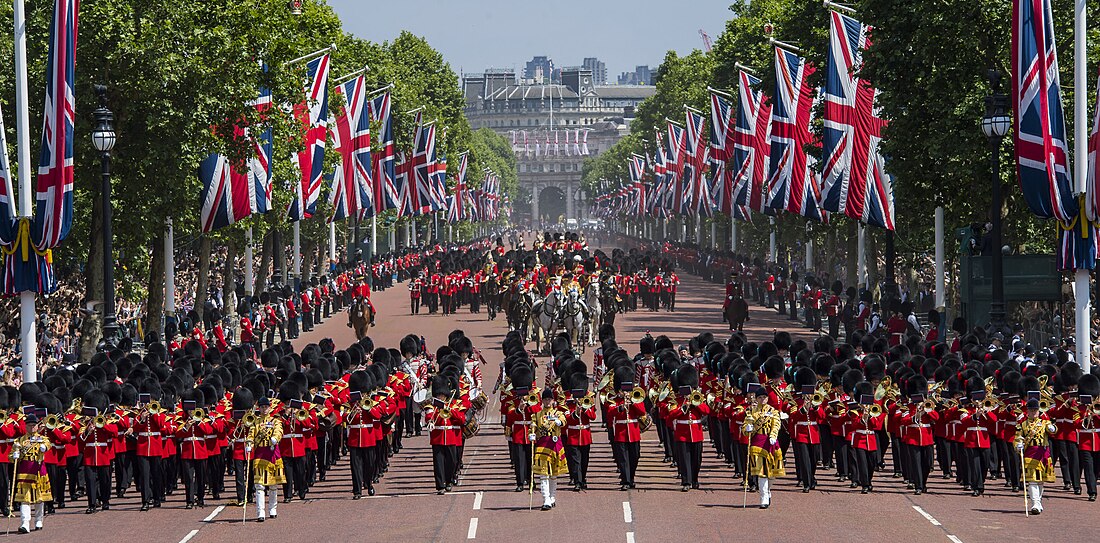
(422, 169)
(855, 179)
(674, 160)
(1042, 156)
(722, 137)
(752, 144)
(259, 164)
(225, 193)
(352, 188)
(697, 200)
(7, 195)
(408, 204)
(792, 183)
(386, 194)
(456, 207)
(312, 113)
(637, 180)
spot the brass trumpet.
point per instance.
(817, 399)
(154, 407)
(99, 421)
(874, 410)
(989, 404)
(637, 395)
(197, 414)
(1045, 405)
(587, 402)
(532, 398)
(249, 419)
(302, 415)
(928, 405)
(696, 398)
(54, 422)
(1095, 408)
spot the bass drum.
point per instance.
(471, 428)
(418, 398)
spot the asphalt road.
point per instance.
(486, 508)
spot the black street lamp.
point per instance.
(996, 125)
(103, 138)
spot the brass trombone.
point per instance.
(696, 398)
(637, 395)
(587, 402)
(874, 410)
(532, 398)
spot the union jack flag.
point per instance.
(386, 195)
(792, 183)
(423, 169)
(855, 178)
(352, 187)
(722, 138)
(637, 175)
(259, 164)
(576, 141)
(584, 143)
(225, 193)
(1042, 160)
(752, 144)
(1092, 197)
(674, 164)
(7, 202)
(697, 199)
(456, 206)
(54, 200)
(408, 203)
(439, 176)
(312, 113)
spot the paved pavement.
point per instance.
(486, 508)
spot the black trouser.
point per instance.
(978, 461)
(805, 463)
(321, 455)
(149, 478)
(834, 327)
(215, 474)
(1010, 459)
(240, 471)
(691, 457)
(843, 467)
(98, 481)
(194, 479)
(399, 427)
(626, 458)
(292, 325)
(740, 452)
(359, 462)
(943, 455)
(1090, 462)
(827, 445)
(295, 468)
(415, 305)
(124, 472)
(307, 320)
(1065, 453)
(920, 462)
(577, 458)
(865, 462)
(5, 487)
(407, 418)
(521, 457)
(962, 465)
(56, 473)
(444, 465)
(73, 467)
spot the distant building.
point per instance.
(538, 69)
(641, 75)
(548, 155)
(598, 69)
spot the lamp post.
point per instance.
(103, 138)
(995, 126)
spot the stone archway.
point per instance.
(552, 207)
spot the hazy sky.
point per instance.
(476, 34)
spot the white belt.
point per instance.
(97, 444)
(805, 423)
(522, 423)
(446, 427)
(1063, 420)
(240, 441)
(291, 435)
(359, 426)
(921, 425)
(194, 439)
(59, 446)
(148, 434)
(689, 421)
(1088, 430)
(579, 427)
(626, 421)
(865, 431)
(5, 441)
(976, 428)
(1012, 424)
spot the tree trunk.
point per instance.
(265, 264)
(872, 262)
(202, 291)
(278, 252)
(229, 279)
(154, 311)
(852, 275)
(92, 328)
(308, 256)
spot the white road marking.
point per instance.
(954, 539)
(189, 536)
(925, 514)
(630, 537)
(628, 517)
(477, 500)
(472, 532)
(211, 516)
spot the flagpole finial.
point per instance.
(829, 4)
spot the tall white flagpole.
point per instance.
(27, 334)
(1080, 172)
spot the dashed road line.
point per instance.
(211, 516)
(472, 532)
(189, 536)
(630, 537)
(925, 514)
(954, 539)
(628, 516)
(477, 500)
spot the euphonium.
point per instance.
(696, 398)
(989, 404)
(1045, 405)
(637, 395)
(874, 410)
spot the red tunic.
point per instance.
(623, 416)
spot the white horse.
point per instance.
(595, 310)
(544, 319)
(574, 319)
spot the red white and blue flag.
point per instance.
(752, 144)
(1042, 158)
(408, 204)
(423, 169)
(723, 130)
(439, 176)
(7, 195)
(456, 204)
(855, 178)
(352, 188)
(259, 164)
(792, 183)
(54, 192)
(697, 199)
(386, 195)
(225, 196)
(312, 113)
(674, 164)
(637, 180)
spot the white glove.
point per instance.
(774, 441)
(1019, 446)
(274, 442)
(247, 449)
(531, 437)
(748, 428)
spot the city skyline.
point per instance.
(447, 27)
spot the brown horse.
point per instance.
(737, 312)
(360, 317)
